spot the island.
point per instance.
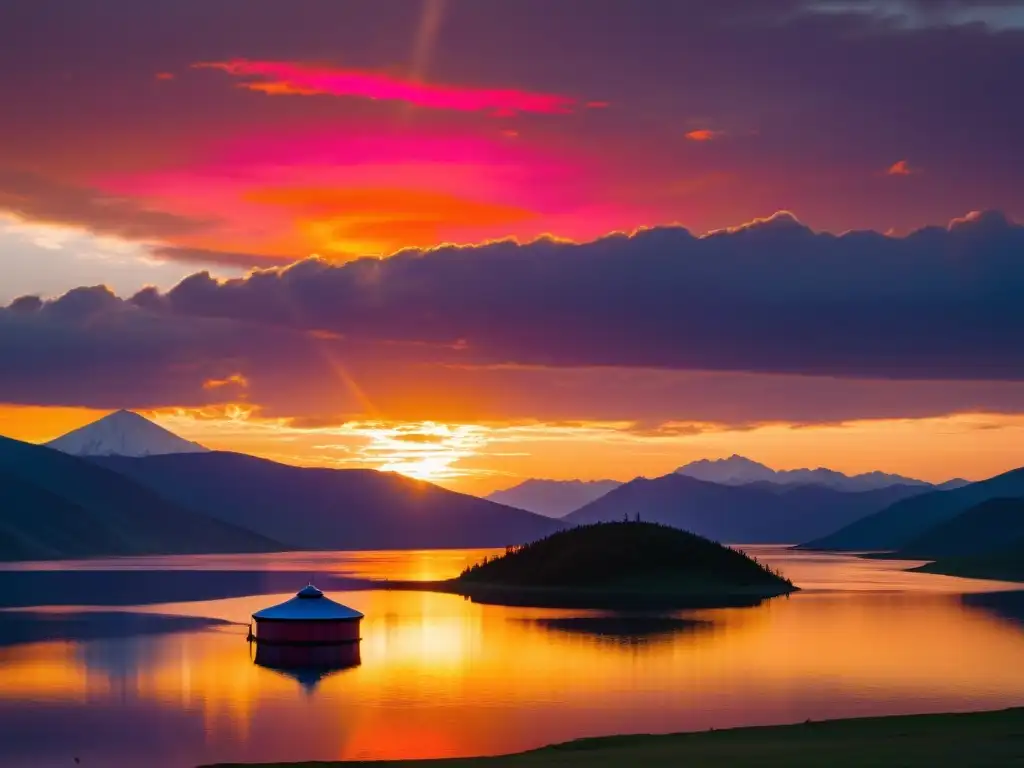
(617, 565)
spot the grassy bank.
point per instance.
(977, 739)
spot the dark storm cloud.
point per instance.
(770, 297)
(37, 198)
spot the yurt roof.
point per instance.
(309, 604)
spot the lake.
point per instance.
(130, 685)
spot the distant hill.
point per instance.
(123, 433)
(553, 498)
(738, 470)
(738, 514)
(1004, 564)
(896, 526)
(985, 527)
(310, 508)
(612, 555)
(53, 505)
(38, 525)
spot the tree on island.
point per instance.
(629, 554)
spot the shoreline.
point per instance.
(994, 566)
(594, 598)
(979, 739)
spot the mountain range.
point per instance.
(315, 508)
(553, 498)
(986, 527)
(898, 525)
(985, 542)
(53, 506)
(739, 514)
(169, 495)
(124, 486)
(557, 498)
(739, 470)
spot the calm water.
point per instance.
(443, 676)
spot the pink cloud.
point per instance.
(279, 78)
(703, 134)
(901, 168)
(343, 193)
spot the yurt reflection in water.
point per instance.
(307, 637)
(307, 666)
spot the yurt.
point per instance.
(308, 619)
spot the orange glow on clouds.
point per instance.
(703, 134)
(237, 380)
(371, 220)
(277, 78)
(482, 457)
(901, 168)
(349, 193)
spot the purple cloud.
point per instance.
(769, 297)
(553, 329)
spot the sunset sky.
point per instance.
(478, 241)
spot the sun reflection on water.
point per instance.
(443, 676)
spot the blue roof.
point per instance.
(309, 604)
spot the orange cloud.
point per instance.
(278, 78)
(439, 188)
(703, 134)
(164, 75)
(901, 168)
(235, 379)
(382, 220)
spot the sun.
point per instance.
(426, 450)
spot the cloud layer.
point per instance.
(425, 130)
(770, 297)
(39, 199)
(810, 100)
(285, 78)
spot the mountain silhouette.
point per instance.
(896, 526)
(739, 470)
(315, 508)
(756, 513)
(984, 528)
(553, 498)
(53, 505)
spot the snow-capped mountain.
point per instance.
(738, 470)
(123, 433)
